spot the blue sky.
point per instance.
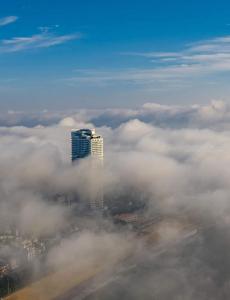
(70, 54)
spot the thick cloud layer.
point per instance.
(214, 115)
(175, 158)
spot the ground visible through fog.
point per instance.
(184, 268)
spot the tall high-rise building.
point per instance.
(85, 142)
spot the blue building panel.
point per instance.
(81, 145)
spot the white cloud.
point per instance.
(177, 170)
(197, 60)
(8, 20)
(41, 40)
(152, 54)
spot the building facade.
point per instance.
(86, 143)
